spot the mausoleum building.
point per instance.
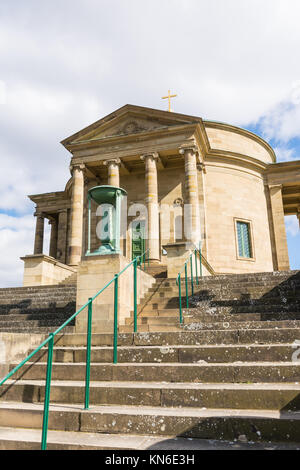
(188, 182)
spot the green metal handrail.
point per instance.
(138, 261)
(193, 255)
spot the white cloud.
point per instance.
(16, 240)
(66, 64)
(292, 225)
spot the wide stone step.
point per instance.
(262, 396)
(149, 421)
(224, 306)
(215, 372)
(30, 439)
(60, 317)
(39, 292)
(267, 316)
(253, 290)
(33, 323)
(185, 338)
(30, 329)
(191, 324)
(206, 316)
(37, 299)
(183, 354)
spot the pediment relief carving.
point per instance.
(127, 126)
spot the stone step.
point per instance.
(225, 289)
(37, 329)
(55, 316)
(182, 354)
(165, 324)
(185, 338)
(212, 317)
(39, 290)
(39, 297)
(262, 396)
(33, 323)
(30, 439)
(191, 324)
(256, 426)
(154, 320)
(223, 306)
(279, 276)
(199, 372)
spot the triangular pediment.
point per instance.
(129, 120)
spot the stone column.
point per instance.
(39, 234)
(152, 205)
(191, 203)
(62, 235)
(113, 167)
(75, 248)
(53, 238)
(281, 248)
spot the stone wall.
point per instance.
(93, 274)
(43, 270)
(234, 192)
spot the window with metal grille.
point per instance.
(244, 239)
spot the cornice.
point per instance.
(237, 158)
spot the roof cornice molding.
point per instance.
(237, 158)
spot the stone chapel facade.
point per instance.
(228, 177)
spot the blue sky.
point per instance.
(64, 64)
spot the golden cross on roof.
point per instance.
(169, 98)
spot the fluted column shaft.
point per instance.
(75, 247)
(152, 205)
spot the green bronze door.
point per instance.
(138, 238)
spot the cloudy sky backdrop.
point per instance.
(64, 64)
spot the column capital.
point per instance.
(153, 155)
(39, 214)
(275, 186)
(201, 167)
(112, 161)
(51, 220)
(190, 146)
(76, 166)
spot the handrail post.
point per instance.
(88, 355)
(180, 303)
(47, 392)
(192, 278)
(186, 286)
(115, 358)
(196, 267)
(135, 293)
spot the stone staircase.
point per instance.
(70, 280)
(229, 378)
(39, 309)
(235, 301)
